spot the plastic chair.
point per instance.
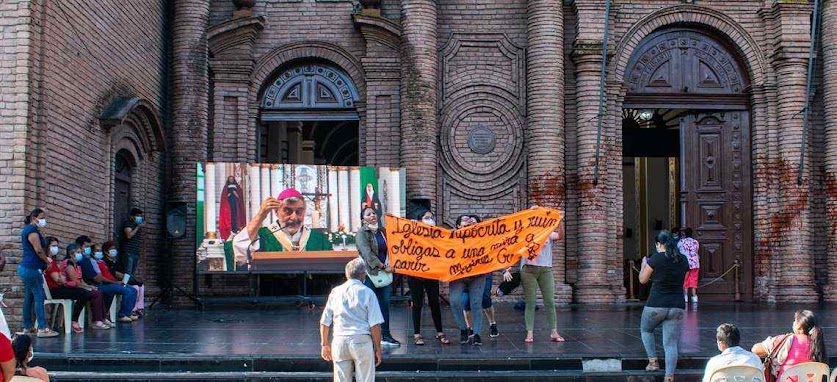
(833, 376)
(737, 374)
(20, 378)
(114, 306)
(67, 306)
(807, 372)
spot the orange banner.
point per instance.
(417, 249)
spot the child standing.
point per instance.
(688, 247)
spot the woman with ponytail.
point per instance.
(665, 307)
(805, 344)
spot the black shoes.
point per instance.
(493, 332)
(463, 336)
(388, 341)
(474, 339)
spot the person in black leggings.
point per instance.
(418, 287)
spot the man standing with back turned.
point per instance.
(352, 311)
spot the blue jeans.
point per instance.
(131, 266)
(475, 286)
(33, 289)
(671, 320)
(486, 294)
(384, 295)
(129, 297)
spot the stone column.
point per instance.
(829, 88)
(189, 121)
(419, 66)
(545, 119)
(790, 61)
(592, 286)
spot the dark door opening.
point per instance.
(121, 191)
(310, 142)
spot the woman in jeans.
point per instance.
(30, 270)
(372, 248)
(418, 287)
(475, 285)
(805, 344)
(537, 274)
(665, 307)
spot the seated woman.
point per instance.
(117, 268)
(62, 288)
(70, 273)
(96, 272)
(804, 344)
(22, 345)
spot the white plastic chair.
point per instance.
(807, 372)
(114, 306)
(833, 376)
(66, 305)
(737, 374)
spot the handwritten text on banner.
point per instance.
(417, 249)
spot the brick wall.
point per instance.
(89, 53)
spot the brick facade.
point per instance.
(428, 73)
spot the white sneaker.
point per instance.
(694, 299)
(686, 298)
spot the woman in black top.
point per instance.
(665, 307)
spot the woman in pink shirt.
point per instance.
(804, 344)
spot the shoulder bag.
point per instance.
(778, 343)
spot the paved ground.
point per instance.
(291, 332)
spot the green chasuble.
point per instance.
(317, 241)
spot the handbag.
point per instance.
(382, 279)
(768, 361)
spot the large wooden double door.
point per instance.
(715, 199)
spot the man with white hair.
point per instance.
(354, 318)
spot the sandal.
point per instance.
(443, 339)
(557, 338)
(418, 340)
(529, 339)
(77, 328)
(653, 365)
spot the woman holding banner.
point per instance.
(475, 286)
(372, 248)
(537, 274)
(418, 287)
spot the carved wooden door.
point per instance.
(715, 199)
(121, 193)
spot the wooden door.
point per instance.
(121, 193)
(716, 198)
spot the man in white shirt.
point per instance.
(728, 339)
(352, 311)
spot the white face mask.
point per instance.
(112, 253)
(428, 221)
(31, 356)
(372, 227)
(42, 223)
(53, 250)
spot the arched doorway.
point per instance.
(308, 116)
(124, 165)
(686, 153)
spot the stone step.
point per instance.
(686, 375)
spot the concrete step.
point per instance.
(686, 375)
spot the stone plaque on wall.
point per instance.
(481, 139)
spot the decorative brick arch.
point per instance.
(267, 65)
(744, 44)
(134, 126)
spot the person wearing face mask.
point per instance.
(95, 272)
(473, 286)
(132, 239)
(806, 343)
(62, 288)
(73, 274)
(115, 266)
(372, 248)
(22, 346)
(665, 307)
(30, 270)
(419, 286)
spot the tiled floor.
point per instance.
(290, 332)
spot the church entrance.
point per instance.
(686, 157)
(307, 116)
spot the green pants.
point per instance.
(534, 277)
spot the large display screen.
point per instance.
(314, 218)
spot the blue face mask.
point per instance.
(78, 256)
(138, 219)
(88, 251)
(99, 256)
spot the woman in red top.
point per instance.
(7, 359)
(64, 282)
